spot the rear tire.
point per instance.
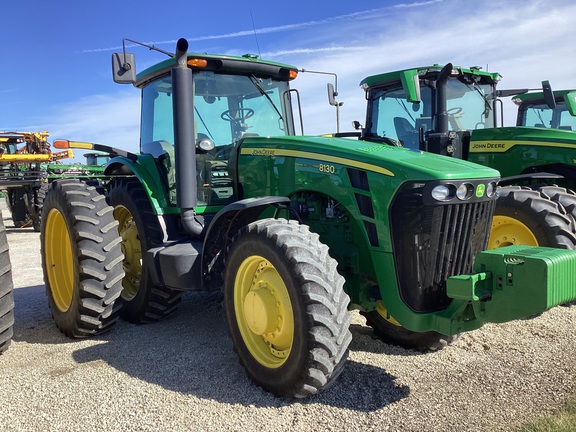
(37, 196)
(525, 216)
(286, 308)
(6, 292)
(390, 331)
(18, 206)
(81, 259)
(142, 301)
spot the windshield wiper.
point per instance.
(263, 92)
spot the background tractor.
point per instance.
(293, 230)
(26, 161)
(536, 110)
(453, 111)
(28, 165)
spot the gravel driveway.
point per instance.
(182, 374)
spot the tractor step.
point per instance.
(177, 266)
(516, 282)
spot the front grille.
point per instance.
(433, 242)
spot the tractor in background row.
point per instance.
(28, 165)
(538, 109)
(25, 158)
(452, 111)
(293, 230)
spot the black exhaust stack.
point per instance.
(184, 146)
(441, 141)
(441, 99)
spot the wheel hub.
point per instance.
(261, 311)
(507, 231)
(264, 311)
(132, 250)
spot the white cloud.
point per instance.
(112, 119)
(526, 41)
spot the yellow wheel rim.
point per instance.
(59, 260)
(263, 311)
(383, 312)
(132, 250)
(507, 231)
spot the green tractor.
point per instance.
(294, 231)
(538, 109)
(452, 111)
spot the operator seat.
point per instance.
(406, 132)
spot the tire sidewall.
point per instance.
(531, 218)
(119, 195)
(289, 374)
(68, 318)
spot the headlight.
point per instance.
(465, 191)
(490, 189)
(205, 144)
(441, 193)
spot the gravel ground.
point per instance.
(182, 374)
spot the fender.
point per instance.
(190, 265)
(226, 225)
(146, 170)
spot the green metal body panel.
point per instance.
(514, 150)
(146, 170)
(407, 76)
(516, 282)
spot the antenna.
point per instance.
(255, 35)
(149, 46)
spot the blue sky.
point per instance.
(55, 55)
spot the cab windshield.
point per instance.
(469, 107)
(227, 109)
(540, 115)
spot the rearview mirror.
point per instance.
(123, 68)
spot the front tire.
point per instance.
(528, 217)
(286, 308)
(6, 292)
(142, 301)
(81, 259)
(390, 331)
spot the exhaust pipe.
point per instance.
(441, 99)
(184, 146)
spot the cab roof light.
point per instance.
(66, 144)
(292, 74)
(197, 62)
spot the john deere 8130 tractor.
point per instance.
(453, 111)
(295, 230)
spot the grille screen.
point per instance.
(433, 242)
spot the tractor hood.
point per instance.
(388, 160)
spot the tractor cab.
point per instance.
(534, 111)
(233, 98)
(431, 108)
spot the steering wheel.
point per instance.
(240, 114)
(454, 111)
